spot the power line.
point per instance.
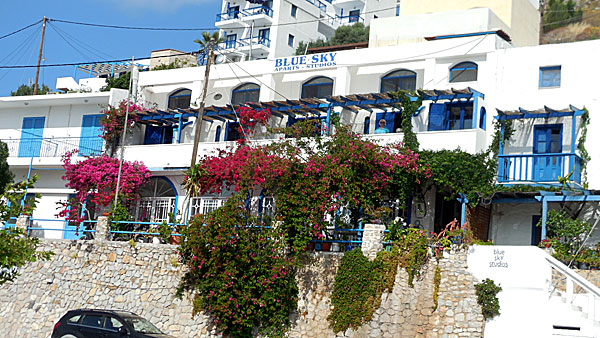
(19, 30)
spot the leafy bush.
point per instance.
(487, 298)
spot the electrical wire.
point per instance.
(69, 43)
(19, 30)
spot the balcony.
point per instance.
(349, 19)
(256, 44)
(261, 15)
(539, 168)
(51, 149)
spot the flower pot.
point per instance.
(335, 247)
(176, 240)
(318, 246)
(310, 246)
(326, 246)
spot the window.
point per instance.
(397, 10)
(393, 121)
(112, 324)
(354, 15)
(263, 37)
(158, 134)
(450, 116)
(463, 72)
(482, 118)
(367, 125)
(93, 320)
(230, 40)
(291, 40)
(318, 87)
(234, 12)
(248, 92)
(550, 77)
(232, 131)
(74, 320)
(31, 136)
(399, 80)
(294, 10)
(180, 99)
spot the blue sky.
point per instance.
(93, 44)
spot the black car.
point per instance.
(90, 323)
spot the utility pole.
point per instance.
(542, 9)
(198, 124)
(37, 72)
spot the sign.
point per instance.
(305, 62)
(498, 259)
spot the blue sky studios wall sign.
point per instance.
(303, 62)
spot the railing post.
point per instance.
(101, 229)
(23, 223)
(372, 240)
(569, 289)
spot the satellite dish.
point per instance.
(220, 58)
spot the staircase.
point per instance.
(540, 297)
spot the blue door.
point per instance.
(547, 139)
(31, 136)
(230, 41)
(71, 228)
(90, 142)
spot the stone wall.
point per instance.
(142, 279)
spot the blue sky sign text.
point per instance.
(303, 62)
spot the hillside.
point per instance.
(587, 29)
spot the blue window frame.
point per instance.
(291, 40)
(180, 99)
(367, 125)
(248, 92)
(547, 139)
(393, 120)
(232, 132)
(263, 36)
(463, 72)
(319, 87)
(482, 118)
(294, 10)
(233, 12)
(451, 116)
(31, 136)
(218, 134)
(399, 80)
(230, 40)
(90, 142)
(354, 15)
(158, 134)
(550, 77)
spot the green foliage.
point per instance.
(239, 273)
(207, 37)
(343, 35)
(585, 156)
(413, 252)
(437, 279)
(164, 231)
(409, 109)
(487, 298)
(174, 65)
(6, 176)
(565, 233)
(16, 250)
(13, 201)
(560, 13)
(458, 172)
(121, 82)
(509, 130)
(24, 90)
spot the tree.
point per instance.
(206, 38)
(6, 176)
(121, 82)
(343, 35)
(24, 90)
(560, 13)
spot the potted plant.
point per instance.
(164, 232)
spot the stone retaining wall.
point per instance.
(143, 278)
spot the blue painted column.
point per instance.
(328, 120)
(179, 128)
(544, 216)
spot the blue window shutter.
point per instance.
(90, 142)
(154, 135)
(389, 121)
(437, 117)
(367, 125)
(31, 136)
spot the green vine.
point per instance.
(487, 298)
(509, 130)
(409, 109)
(437, 279)
(585, 156)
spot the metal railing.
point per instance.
(84, 230)
(318, 4)
(349, 18)
(539, 167)
(154, 209)
(231, 15)
(256, 40)
(53, 146)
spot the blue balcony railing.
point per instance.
(53, 146)
(256, 40)
(318, 4)
(349, 19)
(238, 14)
(545, 168)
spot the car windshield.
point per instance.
(141, 325)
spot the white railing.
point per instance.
(586, 288)
(154, 209)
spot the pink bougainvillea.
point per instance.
(250, 118)
(113, 119)
(95, 181)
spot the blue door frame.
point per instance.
(31, 136)
(547, 139)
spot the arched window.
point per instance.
(482, 118)
(399, 80)
(218, 134)
(367, 125)
(318, 87)
(248, 92)
(180, 99)
(463, 72)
